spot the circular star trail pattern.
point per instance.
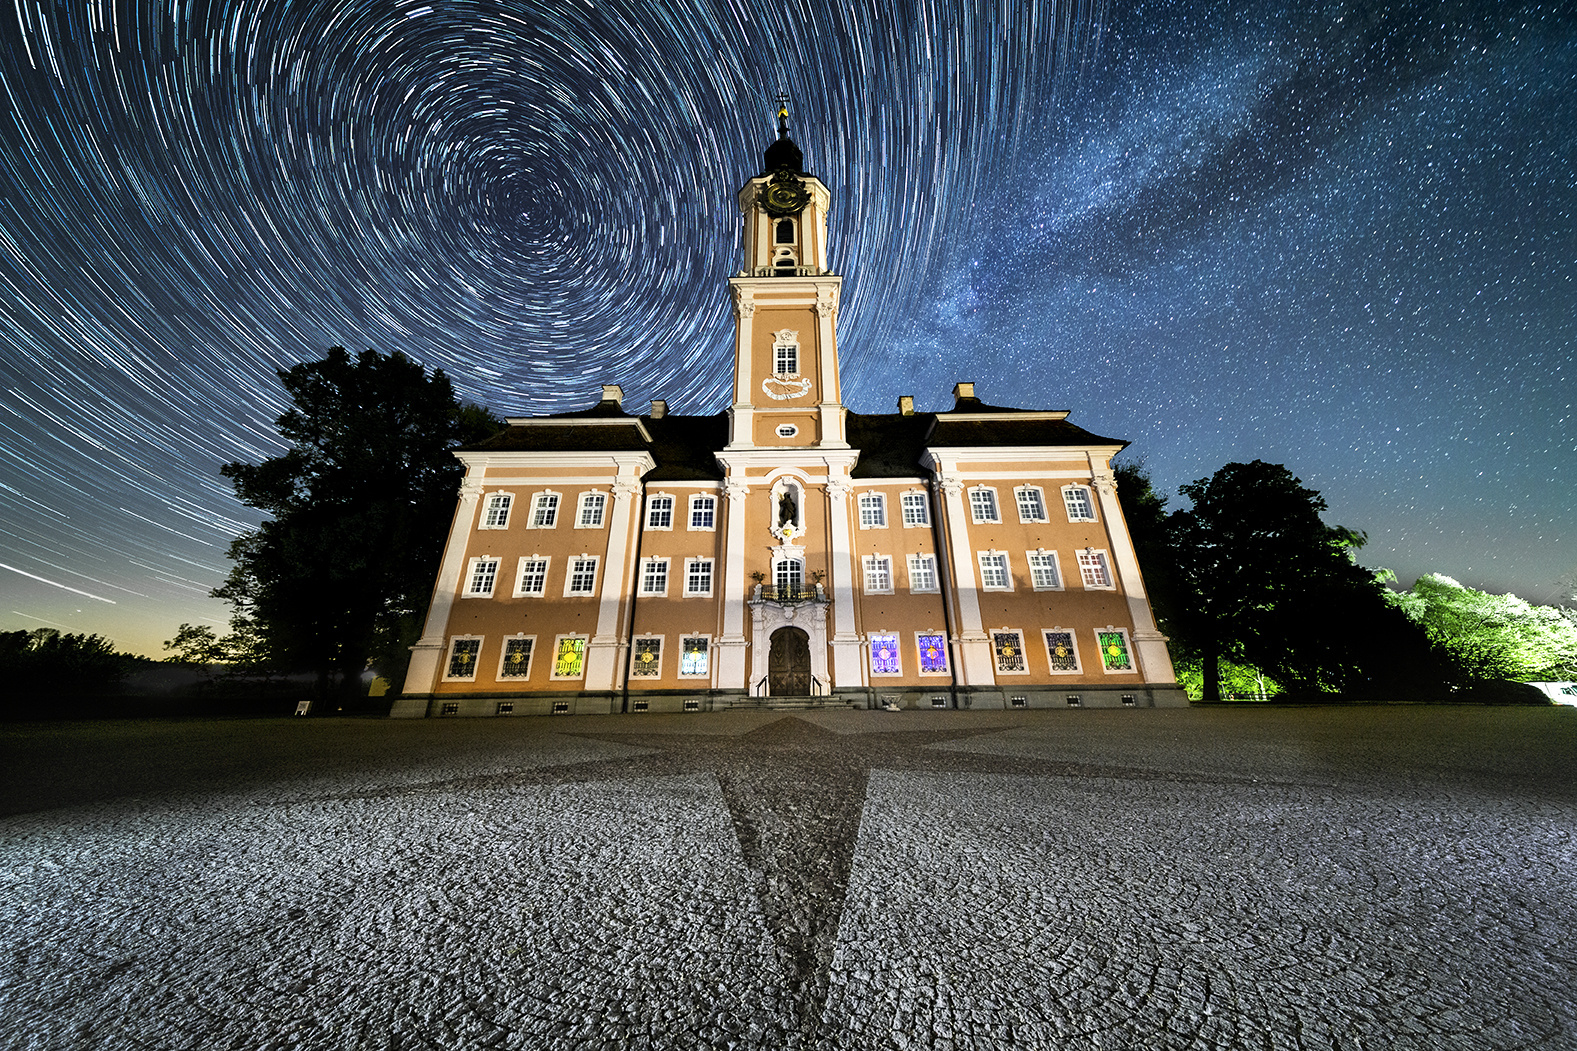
(1342, 239)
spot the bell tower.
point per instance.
(786, 392)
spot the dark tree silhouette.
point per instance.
(1260, 579)
(360, 504)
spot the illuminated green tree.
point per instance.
(1493, 636)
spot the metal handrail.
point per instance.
(799, 594)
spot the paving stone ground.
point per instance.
(1394, 877)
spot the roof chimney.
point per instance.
(613, 392)
(962, 391)
(906, 404)
(659, 409)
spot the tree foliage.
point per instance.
(360, 503)
(1258, 578)
(1489, 636)
(46, 659)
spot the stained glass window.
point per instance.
(1114, 650)
(1061, 652)
(1009, 647)
(569, 662)
(462, 658)
(933, 653)
(648, 658)
(517, 659)
(884, 655)
(693, 655)
(497, 516)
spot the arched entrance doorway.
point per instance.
(788, 666)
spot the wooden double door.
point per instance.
(788, 664)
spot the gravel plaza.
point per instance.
(1258, 878)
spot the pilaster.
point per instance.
(732, 644)
(846, 664)
(1155, 663)
(972, 646)
(604, 666)
(421, 677)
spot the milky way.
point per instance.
(1342, 239)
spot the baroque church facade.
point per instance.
(788, 551)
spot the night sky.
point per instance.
(1341, 237)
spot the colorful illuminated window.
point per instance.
(1009, 649)
(1114, 650)
(517, 658)
(933, 653)
(884, 655)
(462, 658)
(1061, 651)
(693, 654)
(569, 657)
(648, 660)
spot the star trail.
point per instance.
(1342, 238)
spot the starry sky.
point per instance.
(1337, 236)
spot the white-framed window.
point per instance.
(544, 511)
(1116, 653)
(922, 573)
(695, 657)
(703, 512)
(1094, 569)
(1007, 646)
(886, 658)
(463, 653)
(1062, 651)
(480, 577)
(878, 575)
(1043, 573)
(593, 510)
(916, 509)
(697, 577)
(789, 576)
(515, 661)
(569, 657)
(495, 513)
(1076, 498)
(983, 504)
(582, 576)
(785, 359)
(531, 581)
(660, 511)
(873, 511)
(1031, 500)
(646, 662)
(994, 572)
(654, 576)
(931, 649)
(786, 430)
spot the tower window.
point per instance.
(785, 360)
(785, 232)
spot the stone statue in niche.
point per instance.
(788, 513)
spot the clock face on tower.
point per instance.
(786, 195)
